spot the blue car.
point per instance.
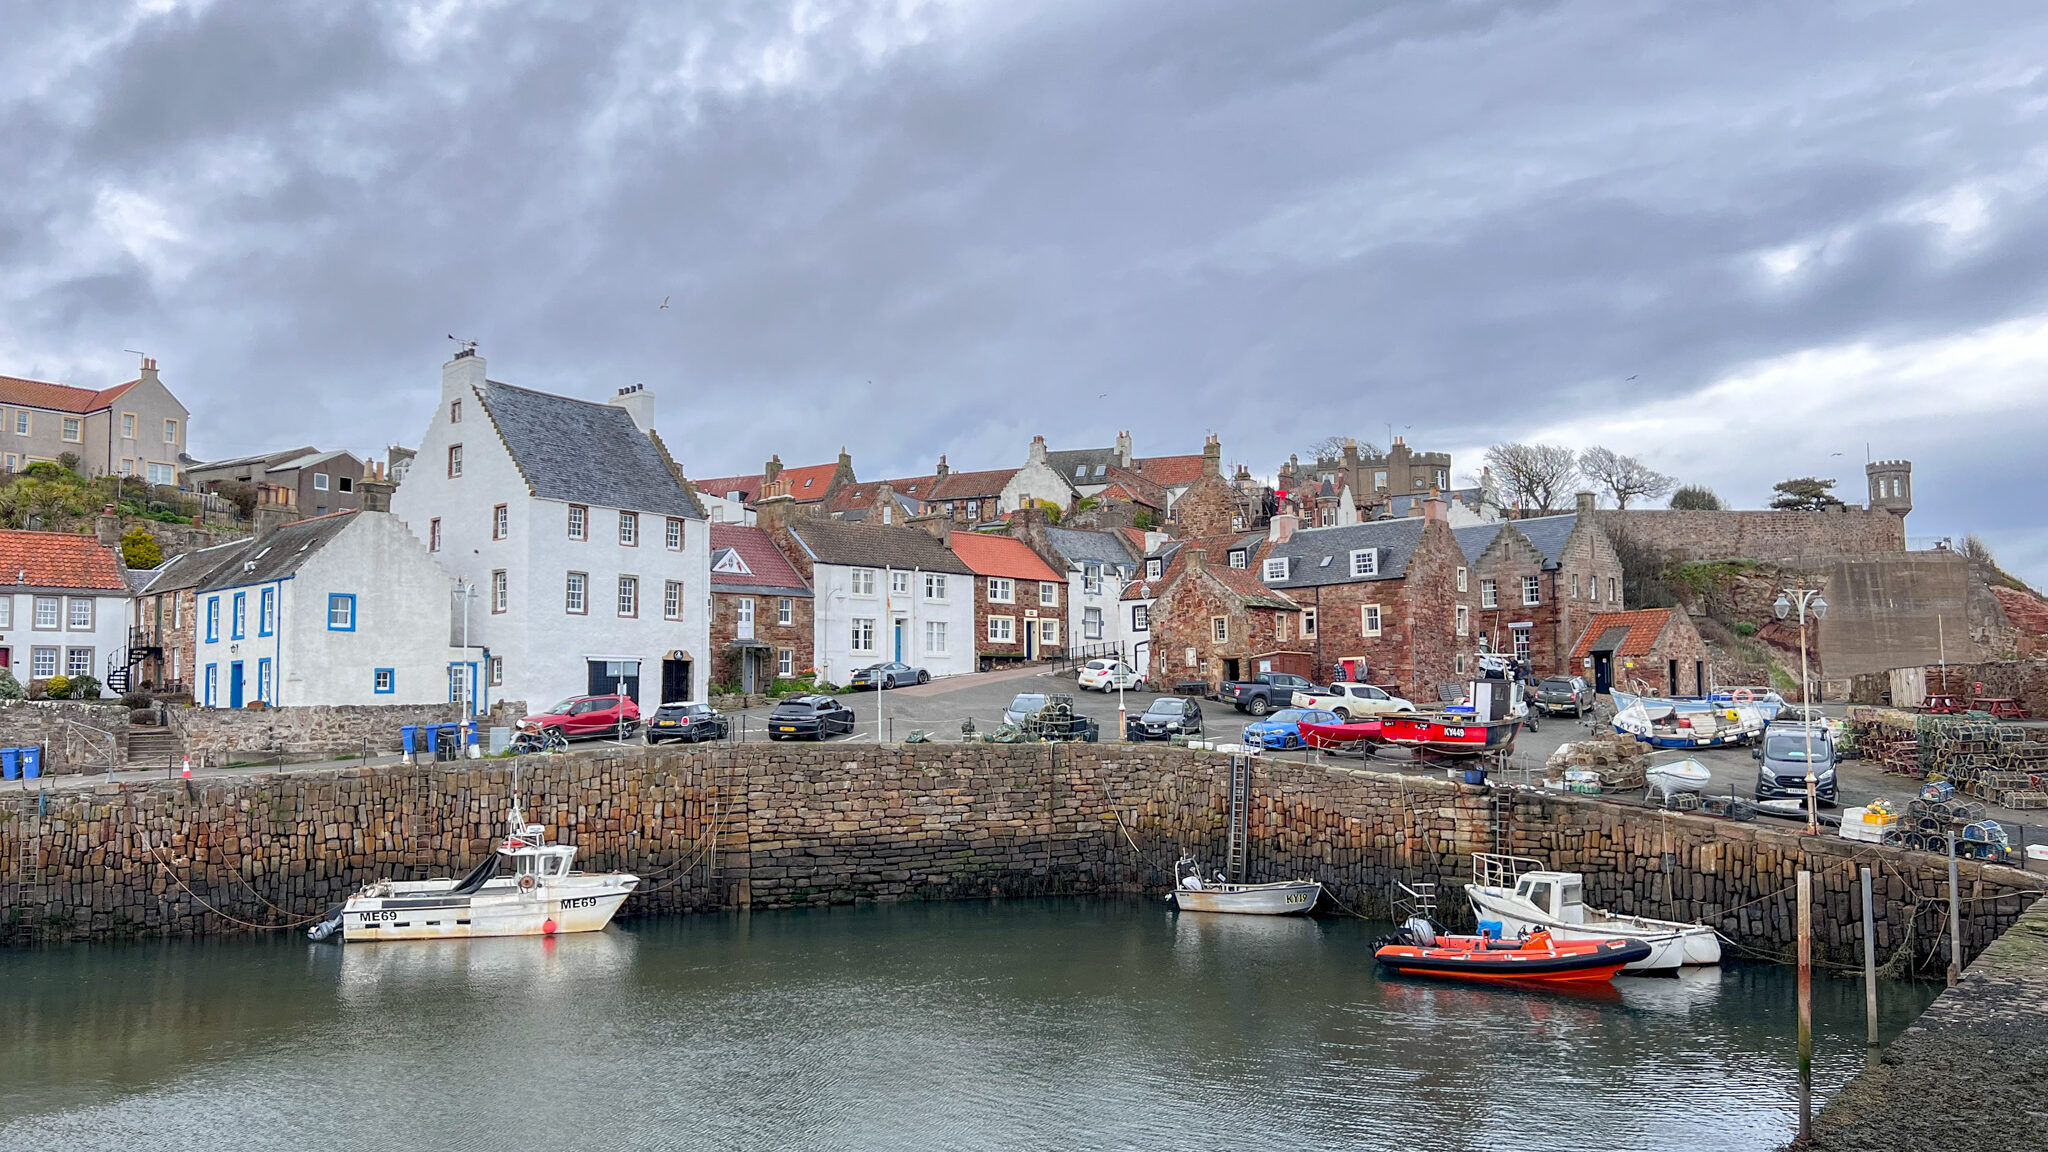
(1283, 728)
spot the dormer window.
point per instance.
(1154, 567)
(1237, 558)
(1365, 562)
(1276, 569)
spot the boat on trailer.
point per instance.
(1521, 900)
(1191, 893)
(526, 887)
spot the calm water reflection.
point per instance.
(1110, 1024)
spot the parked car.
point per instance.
(1024, 707)
(1557, 695)
(1050, 717)
(1782, 763)
(1108, 676)
(1264, 692)
(815, 717)
(1167, 717)
(688, 721)
(1283, 728)
(891, 675)
(587, 717)
(1353, 701)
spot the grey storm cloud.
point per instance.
(914, 228)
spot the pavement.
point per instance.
(940, 707)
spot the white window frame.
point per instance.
(899, 582)
(861, 581)
(73, 429)
(7, 611)
(861, 635)
(1365, 562)
(576, 594)
(1532, 590)
(1276, 568)
(1002, 590)
(501, 591)
(1308, 623)
(1141, 617)
(77, 662)
(672, 600)
(579, 522)
(1489, 594)
(1461, 579)
(1239, 558)
(1219, 629)
(1369, 620)
(1091, 623)
(629, 529)
(1048, 594)
(1007, 634)
(79, 614)
(935, 587)
(1154, 566)
(629, 596)
(672, 535)
(434, 534)
(935, 638)
(36, 656)
(1522, 640)
(501, 521)
(454, 461)
(53, 620)
(319, 481)
(1463, 616)
(127, 425)
(1048, 631)
(1091, 579)
(785, 611)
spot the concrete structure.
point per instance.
(589, 558)
(880, 591)
(63, 607)
(306, 480)
(763, 628)
(346, 608)
(133, 429)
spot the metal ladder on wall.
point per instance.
(1240, 811)
(1503, 813)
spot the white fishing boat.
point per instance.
(1523, 900)
(1675, 776)
(1191, 893)
(1678, 723)
(526, 887)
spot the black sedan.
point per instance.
(1169, 716)
(890, 675)
(815, 717)
(689, 722)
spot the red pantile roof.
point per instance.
(857, 496)
(769, 567)
(1169, 471)
(1644, 626)
(58, 397)
(58, 560)
(807, 484)
(1002, 556)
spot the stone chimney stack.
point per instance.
(1123, 449)
(1586, 503)
(1435, 507)
(941, 471)
(375, 491)
(1282, 527)
(638, 403)
(1212, 456)
(148, 373)
(268, 518)
(937, 523)
(1037, 450)
(461, 374)
(773, 504)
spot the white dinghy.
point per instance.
(1191, 893)
(525, 888)
(1523, 900)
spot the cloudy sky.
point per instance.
(1745, 241)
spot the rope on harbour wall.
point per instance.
(202, 902)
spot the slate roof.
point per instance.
(279, 554)
(59, 560)
(856, 497)
(582, 452)
(1002, 556)
(1082, 546)
(1632, 633)
(190, 569)
(1090, 459)
(770, 570)
(1318, 557)
(59, 397)
(1475, 538)
(873, 545)
(1549, 534)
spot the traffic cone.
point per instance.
(188, 767)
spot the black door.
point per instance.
(675, 680)
(1230, 670)
(607, 676)
(1603, 671)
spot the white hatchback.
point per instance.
(1107, 676)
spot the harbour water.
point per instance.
(1019, 1024)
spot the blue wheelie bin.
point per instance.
(31, 762)
(10, 763)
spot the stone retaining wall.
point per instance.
(48, 724)
(767, 826)
(219, 735)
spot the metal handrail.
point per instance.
(113, 743)
(1497, 870)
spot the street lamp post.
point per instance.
(1805, 600)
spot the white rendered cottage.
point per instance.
(63, 607)
(590, 559)
(346, 608)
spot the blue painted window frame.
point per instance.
(388, 677)
(212, 621)
(212, 685)
(266, 612)
(263, 680)
(238, 616)
(334, 598)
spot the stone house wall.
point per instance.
(1418, 647)
(1507, 562)
(1759, 535)
(777, 826)
(50, 725)
(1025, 611)
(1183, 622)
(798, 637)
(1589, 563)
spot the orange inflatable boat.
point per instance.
(1418, 951)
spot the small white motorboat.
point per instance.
(1191, 893)
(1675, 776)
(1680, 723)
(1524, 901)
(525, 888)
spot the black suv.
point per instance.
(1169, 716)
(814, 716)
(686, 721)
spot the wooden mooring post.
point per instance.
(1805, 1006)
(1869, 964)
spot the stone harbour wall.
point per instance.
(220, 735)
(772, 826)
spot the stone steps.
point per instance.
(151, 747)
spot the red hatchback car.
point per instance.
(581, 717)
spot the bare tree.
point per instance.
(1623, 477)
(1536, 476)
(1978, 551)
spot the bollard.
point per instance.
(187, 773)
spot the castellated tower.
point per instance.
(1891, 486)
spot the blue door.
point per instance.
(899, 642)
(235, 684)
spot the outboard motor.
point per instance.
(1418, 932)
(328, 927)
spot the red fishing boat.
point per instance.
(1416, 950)
(1346, 735)
(1449, 733)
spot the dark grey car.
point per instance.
(1169, 716)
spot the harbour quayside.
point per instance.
(1515, 899)
(541, 896)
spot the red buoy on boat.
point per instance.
(548, 928)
